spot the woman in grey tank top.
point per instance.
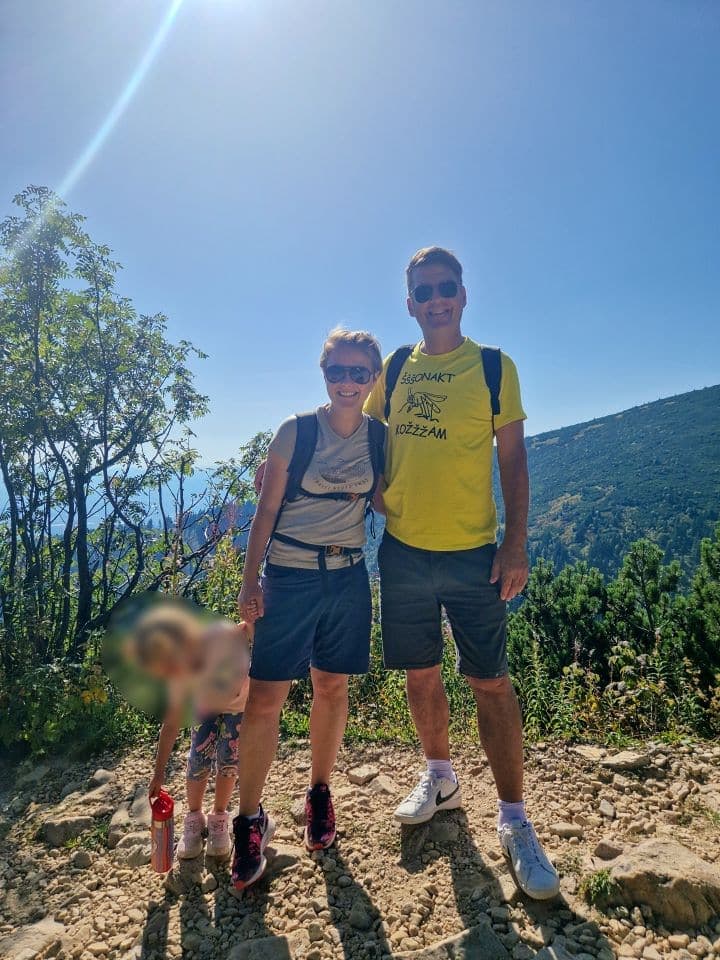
(312, 606)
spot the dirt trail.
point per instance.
(381, 892)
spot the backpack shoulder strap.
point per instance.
(377, 432)
(305, 442)
(392, 373)
(492, 368)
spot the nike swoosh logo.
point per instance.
(441, 799)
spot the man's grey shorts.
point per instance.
(416, 583)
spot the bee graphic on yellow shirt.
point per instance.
(423, 404)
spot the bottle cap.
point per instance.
(162, 806)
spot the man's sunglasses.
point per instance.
(335, 374)
(424, 291)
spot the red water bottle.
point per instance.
(162, 832)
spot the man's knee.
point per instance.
(492, 686)
(424, 680)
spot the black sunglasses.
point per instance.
(336, 373)
(424, 291)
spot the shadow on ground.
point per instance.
(499, 916)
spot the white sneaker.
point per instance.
(191, 842)
(218, 843)
(432, 793)
(531, 869)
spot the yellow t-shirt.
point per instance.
(438, 465)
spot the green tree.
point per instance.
(703, 609)
(93, 399)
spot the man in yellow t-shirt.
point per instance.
(439, 551)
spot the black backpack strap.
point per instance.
(305, 441)
(392, 373)
(492, 368)
(377, 432)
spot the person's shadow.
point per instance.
(482, 898)
(238, 918)
(447, 837)
(356, 918)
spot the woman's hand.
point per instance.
(250, 601)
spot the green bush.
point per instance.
(68, 706)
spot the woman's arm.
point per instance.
(378, 504)
(274, 484)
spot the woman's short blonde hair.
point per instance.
(353, 338)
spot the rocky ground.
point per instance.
(641, 826)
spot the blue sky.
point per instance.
(280, 160)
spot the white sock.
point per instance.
(509, 813)
(442, 768)
(254, 816)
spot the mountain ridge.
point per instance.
(647, 471)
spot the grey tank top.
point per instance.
(339, 465)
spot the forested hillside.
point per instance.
(651, 471)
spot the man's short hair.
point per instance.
(430, 255)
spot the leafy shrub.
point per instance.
(66, 705)
(598, 887)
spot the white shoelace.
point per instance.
(526, 840)
(422, 790)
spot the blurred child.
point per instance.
(205, 664)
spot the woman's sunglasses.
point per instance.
(424, 291)
(335, 373)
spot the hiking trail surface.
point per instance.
(639, 826)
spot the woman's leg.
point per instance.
(258, 738)
(328, 718)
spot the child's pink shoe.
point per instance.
(191, 842)
(218, 844)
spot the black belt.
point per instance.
(323, 551)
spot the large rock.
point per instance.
(140, 812)
(26, 943)
(587, 752)
(554, 951)
(100, 778)
(134, 848)
(566, 830)
(119, 824)
(681, 889)
(472, 944)
(131, 815)
(362, 775)
(608, 848)
(383, 784)
(627, 760)
(58, 830)
(264, 948)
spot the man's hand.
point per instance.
(156, 785)
(250, 601)
(259, 474)
(510, 568)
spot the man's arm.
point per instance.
(510, 567)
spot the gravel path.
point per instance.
(383, 891)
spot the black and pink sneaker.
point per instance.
(251, 838)
(320, 818)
